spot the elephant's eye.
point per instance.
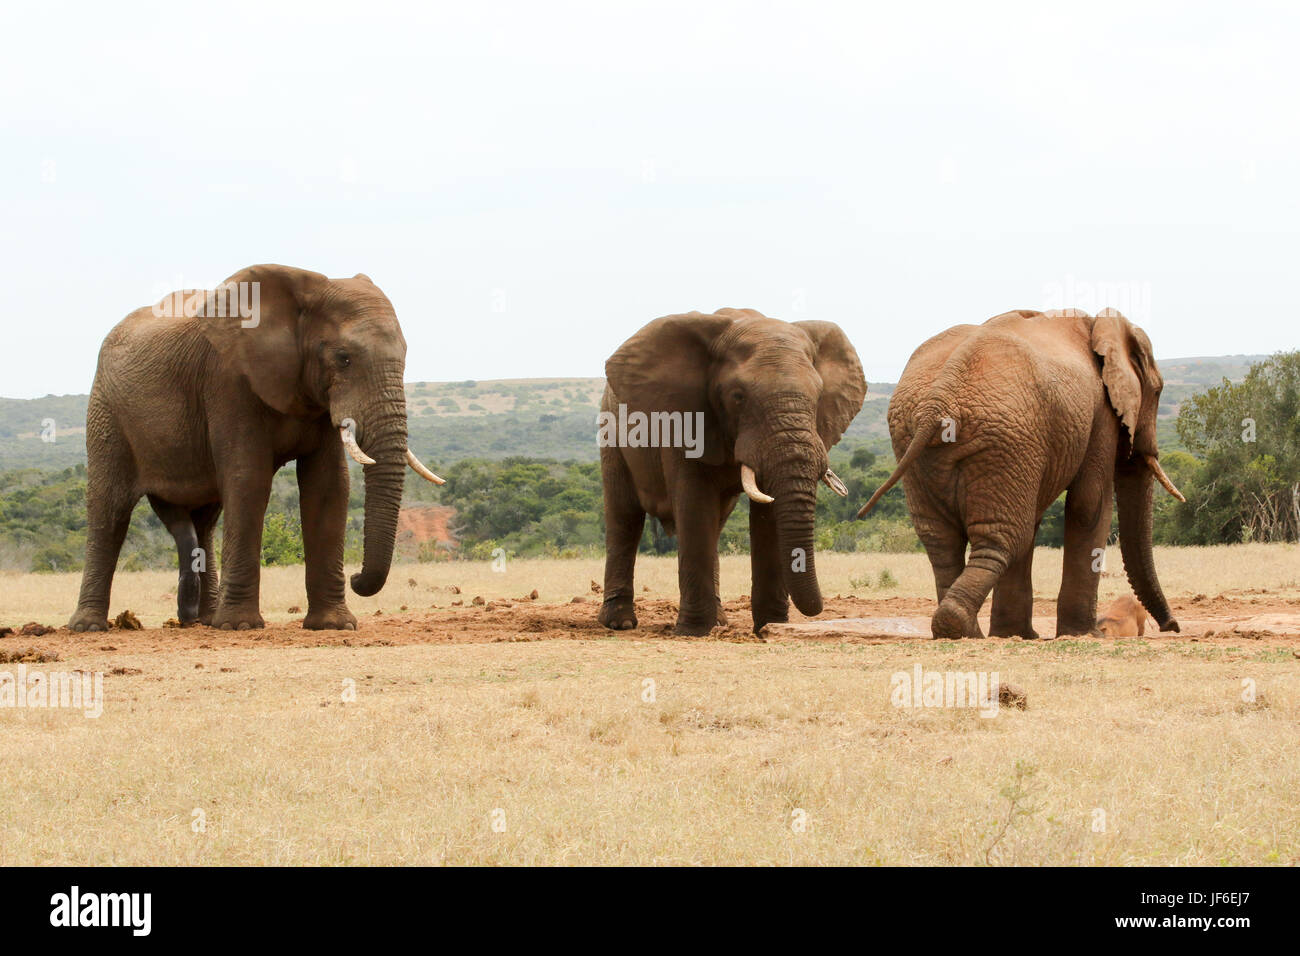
(343, 359)
(738, 397)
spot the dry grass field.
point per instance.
(521, 733)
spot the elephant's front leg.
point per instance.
(624, 524)
(323, 503)
(244, 494)
(1087, 526)
(698, 521)
(769, 598)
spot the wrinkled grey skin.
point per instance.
(198, 413)
(1036, 404)
(775, 396)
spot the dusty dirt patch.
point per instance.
(1221, 620)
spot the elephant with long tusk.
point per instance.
(346, 433)
(768, 399)
(200, 398)
(991, 423)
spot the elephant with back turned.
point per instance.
(991, 423)
(196, 405)
(772, 398)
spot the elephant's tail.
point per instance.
(919, 441)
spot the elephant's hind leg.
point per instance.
(624, 523)
(958, 613)
(107, 522)
(945, 546)
(1013, 600)
(205, 520)
(992, 545)
(179, 522)
(717, 590)
(110, 499)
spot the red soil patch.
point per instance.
(424, 524)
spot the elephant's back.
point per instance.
(921, 376)
(148, 371)
(999, 381)
(144, 347)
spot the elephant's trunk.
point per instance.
(383, 436)
(796, 502)
(1133, 492)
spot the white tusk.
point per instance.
(833, 482)
(750, 485)
(1154, 465)
(418, 467)
(347, 433)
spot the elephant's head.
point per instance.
(774, 395)
(312, 346)
(1133, 385)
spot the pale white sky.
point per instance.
(531, 182)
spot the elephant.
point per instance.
(200, 398)
(991, 423)
(762, 400)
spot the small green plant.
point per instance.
(883, 581)
(1016, 793)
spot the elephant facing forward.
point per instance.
(199, 399)
(991, 423)
(763, 400)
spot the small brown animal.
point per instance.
(1126, 617)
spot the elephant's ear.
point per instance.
(844, 387)
(261, 339)
(1131, 377)
(665, 368)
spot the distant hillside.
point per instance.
(536, 417)
(1207, 371)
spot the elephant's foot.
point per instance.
(238, 619)
(617, 614)
(770, 615)
(88, 619)
(337, 618)
(1025, 631)
(1077, 628)
(188, 594)
(1080, 632)
(950, 623)
(692, 630)
(694, 625)
(721, 615)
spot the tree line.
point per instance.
(1240, 474)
